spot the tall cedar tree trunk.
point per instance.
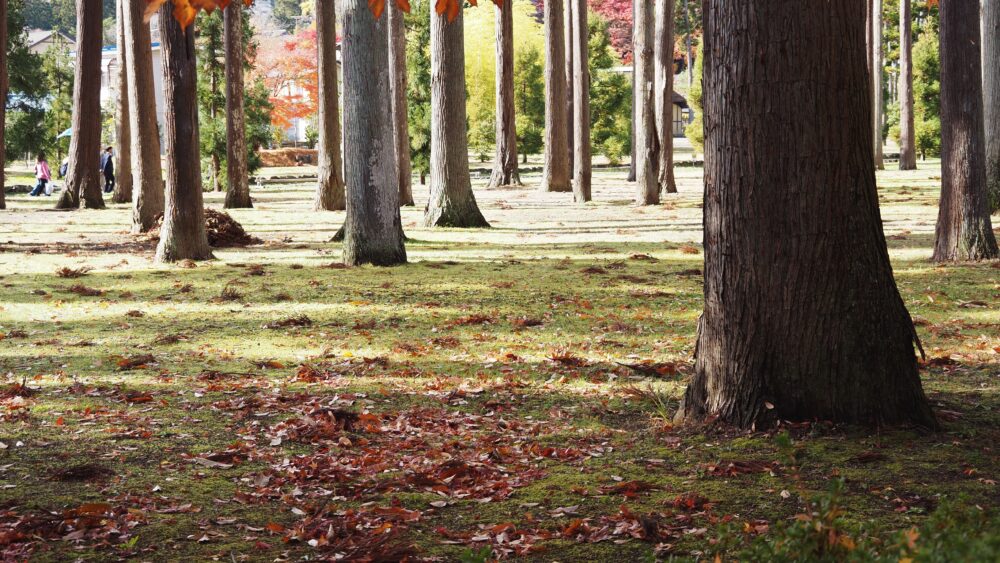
(907, 130)
(876, 82)
(452, 203)
(802, 317)
(991, 98)
(400, 120)
(581, 104)
(84, 176)
(182, 236)
(147, 172)
(505, 171)
(373, 232)
(644, 135)
(330, 190)
(570, 96)
(123, 134)
(556, 174)
(964, 230)
(664, 94)
(238, 191)
(3, 106)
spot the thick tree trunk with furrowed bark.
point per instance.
(123, 135)
(330, 190)
(556, 175)
(84, 177)
(452, 203)
(907, 129)
(964, 230)
(570, 96)
(991, 98)
(505, 171)
(400, 120)
(802, 318)
(182, 236)
(147, 172)
(3, 96)
(373, 232)
(238, 191)
(581, 104)
(644, 135)
(664, 95)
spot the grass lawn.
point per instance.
(506, 394)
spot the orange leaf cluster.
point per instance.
(186, 10)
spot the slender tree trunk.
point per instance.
(636, 93)
(213, 112)
(907, 130)
(645, 137)
(84, 176)
(505, 171)
(876, 73)
(147, 173)
(182, 236)
(802, 318)
(664, 94)
(687, 43)
(570, 96)
(3, 106)
(400, 120)
(452, 203)
(556, 175)
(238, 191)
(964, 230)
(991, 98)
(330, 191)
(373, 232)
(581, 104)
(123, 135)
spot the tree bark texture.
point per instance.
(147, 172)
(330, 191)
(3, 107)
(570, 96)
(581, 104)
(505, 165)
(876, 73)
(907, 129)
(664, 95)
(373, 232)
(238, 191)
(991, 98)
(964, 230)
(644, 137)
(556, 174)
(400, 120)
(182, 236)
(452, 203)
(84, 176)
(802, 319)
(123, 134)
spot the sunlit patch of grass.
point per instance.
(534, 323)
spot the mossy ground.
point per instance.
(526, 324)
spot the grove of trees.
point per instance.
(811, 327)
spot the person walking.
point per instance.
(108, 168)
(43, 176)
